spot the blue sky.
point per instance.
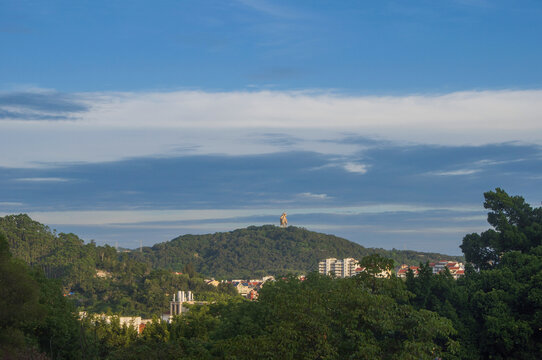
(382, 122)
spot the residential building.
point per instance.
(339, 267)
(457, 269)
(136, 322)
(382, 274)
(212, 282)
(403, 270)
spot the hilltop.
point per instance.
(248, 252)
(267, 249)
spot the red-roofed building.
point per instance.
(403, 270)
(455, 268)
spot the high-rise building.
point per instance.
(338, 267)
(327, 266)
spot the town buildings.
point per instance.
(135, 322)
(456, 269)
(249, 288)
(403, 270)
(339, 267)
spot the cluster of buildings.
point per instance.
(136, 322)
(344, 268)
(348, 267)
(455, 268)
(247, 288)
(176, 308)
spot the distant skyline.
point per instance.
(380, 122)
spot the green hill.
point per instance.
(242, 253)
(268, 249)
(98, 278)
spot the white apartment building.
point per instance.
(340, 267)
(176, 305)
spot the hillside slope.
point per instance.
(249, 252)
(268, 249)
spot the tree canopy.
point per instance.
(493, 312)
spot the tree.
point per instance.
(189, 270)
(33, 312)
(324, 317)
(505, 296)
(19, 303)
(517, 227)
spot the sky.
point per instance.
(383, 122)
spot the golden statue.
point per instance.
(283, 220)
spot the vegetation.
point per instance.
(263, 250)
(318, 318)
(497, 306)
(99, 278)
(244, 253)
(34, 316)
(102, 280)
(494, 312)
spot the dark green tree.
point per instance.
(516, 226)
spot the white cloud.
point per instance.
(124, 125)
(477, 218)
(490, 162)
(42, 179)
(458, 172)
(116, 217)
(10, 203)
(474, 168)
(436, 230)
(355, 168)
(313, 196)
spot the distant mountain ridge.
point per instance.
(267, 249)
(242, 253)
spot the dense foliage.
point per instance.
(99, 278)
(494, 312)
(497, 306)
(268, 249)
(34, 316)
(318, 318)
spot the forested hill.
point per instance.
(268, 249)
(249, 252)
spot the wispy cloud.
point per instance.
(159, 123)
(491, 162)
(458, 172)
(439, 230)
(42, 180)
(39, 105)
(356, 168)
(42, 101)
(10, 203)
(309, 195)
(476, 218)
(104, 217)
(475, 167)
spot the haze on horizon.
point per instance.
(383, 123)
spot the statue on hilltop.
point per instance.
(283, 220)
